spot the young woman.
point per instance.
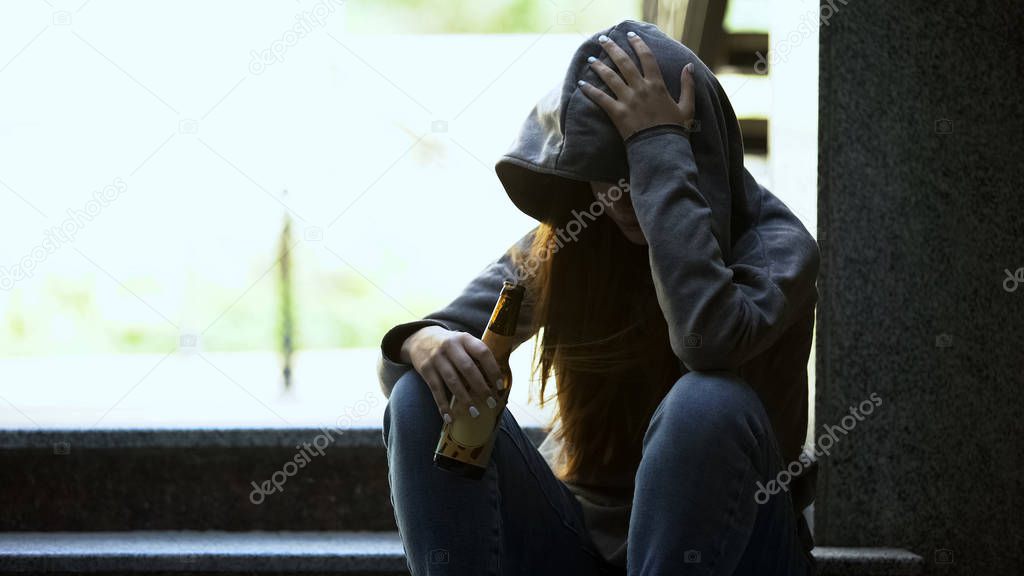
(675, 300)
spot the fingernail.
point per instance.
(447, 418)
(602, 38)
(474, 412)
(491, 402)
(689, 67)
(591, 59)
(581, 82)
(631, 34)
(500, 383)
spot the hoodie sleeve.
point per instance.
(469, 312)
(719, 314)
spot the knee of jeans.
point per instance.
(410, 406)
(709, 408)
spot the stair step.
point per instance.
(347, 553)
(194, 479)
(841, 561)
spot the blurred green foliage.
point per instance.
(486, 16)
(333, 308)
(521, 16)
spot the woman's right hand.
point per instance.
(456, 361)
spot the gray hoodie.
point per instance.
(733, 269)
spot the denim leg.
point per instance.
(517, 519)
(695, 507)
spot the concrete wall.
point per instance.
(921, 211)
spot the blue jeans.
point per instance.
(694, 510)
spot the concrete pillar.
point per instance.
(920, 216)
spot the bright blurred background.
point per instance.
(204, 126)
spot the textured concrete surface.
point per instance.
(189, 479)
(920, 217)
(206, 488)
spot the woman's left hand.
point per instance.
(641, 99)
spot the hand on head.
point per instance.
(641, 97)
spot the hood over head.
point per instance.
(568, 140)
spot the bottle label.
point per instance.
(467, 439)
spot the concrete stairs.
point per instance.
(226, 501)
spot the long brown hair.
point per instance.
(602, 336)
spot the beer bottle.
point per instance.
(465, 445)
